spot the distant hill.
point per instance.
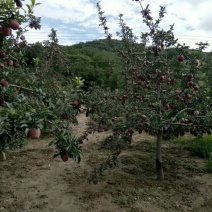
(96, 61)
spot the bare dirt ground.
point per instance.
(31, 181)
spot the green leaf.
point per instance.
(33, 2)
(26, 131)
(51, 143)
(78, 159)
(28, 6)
(24, 125)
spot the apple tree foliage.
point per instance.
(162, 95)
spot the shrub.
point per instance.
(201, 146)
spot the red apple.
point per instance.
(100, 130)
(190, 77)
(154, 47)
(6, 31)
(190, 83)
(142, 78)
(130, 131)
(124, 97)
(149, 17)
(186, 121)
(76, 104)
(191, 121)
(159, 48)
(167, 106)
(139, 125)
(139, 82)
(169, 79)
(14, 24)
(65, 157)
(1, 65)
(143, 117)
(2, 55)
(16, 65)
(3, 82)
(19, 3)
(147, 125)
(146, 130)
(162, 78)
(180, 58)
(196, 87)
(10, 63)
(188, 96)
(182, 120)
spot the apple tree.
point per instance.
(12, 42)
(163, 93)
(32, 98)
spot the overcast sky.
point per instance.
(77, 20)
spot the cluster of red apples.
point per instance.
(6, 31)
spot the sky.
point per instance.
(77, 20)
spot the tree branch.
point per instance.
(21, 87)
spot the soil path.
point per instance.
(31, 181)
(38, 183)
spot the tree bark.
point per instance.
(159, 164)
(3, 155)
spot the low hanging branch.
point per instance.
(23, 88)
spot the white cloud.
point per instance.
(66, 10)
(192, 18)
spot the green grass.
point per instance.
(125, 199)
(200, 146)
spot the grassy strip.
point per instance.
(200, 146)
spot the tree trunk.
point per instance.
(3, 155)
(159, 165)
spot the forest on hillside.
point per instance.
(95, 61)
